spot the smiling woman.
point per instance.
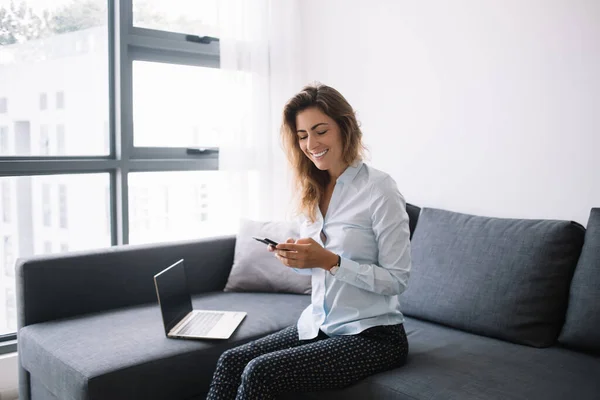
(319, 128)
(354, 243)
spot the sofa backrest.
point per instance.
(582, 324)
(50, 287)
(502, 278)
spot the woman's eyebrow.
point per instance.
(313, 128)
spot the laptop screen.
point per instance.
(173, 295)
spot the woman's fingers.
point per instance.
(286, 261)
(290, 255)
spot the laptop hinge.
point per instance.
(181, 323)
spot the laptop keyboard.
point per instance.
(200, 324)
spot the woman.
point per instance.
(355, 244)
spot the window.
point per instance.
(60, 140)
(90, 176)
(43, 68)
(60, 100)
(4, 140)
(187, 16)
(44, 140)
(6, 206)
(106, 144)
(107, 212)
(9, 259)
(46, 206)
(43, 101)
(11, 308)
(11, 298)
(172, 98)
(168, 206)
(62, 206)
(139, 209)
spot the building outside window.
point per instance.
(10, 296)
(4, 140)
(62, 206)
(44, 140)
(6, 206)
(3, 105)
(9, 258)
(43, 101)
(60, 100)
(60, 140)
(11, 307)
(46, 205)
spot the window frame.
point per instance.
(126, 43)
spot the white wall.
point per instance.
(486, 107)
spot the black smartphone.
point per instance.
(265, 241)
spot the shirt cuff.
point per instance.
(303, 271)
(347, 271)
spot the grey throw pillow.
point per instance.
(502, 278)
(257, 270)
(582, 326)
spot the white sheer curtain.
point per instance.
(260, 48)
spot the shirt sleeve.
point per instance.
(392, 234)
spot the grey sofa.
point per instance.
(496, 309)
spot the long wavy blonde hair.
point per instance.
(311, 182)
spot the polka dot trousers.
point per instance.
(281, 363)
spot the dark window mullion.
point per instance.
(175, 153)
(158, 165)
(55, 167)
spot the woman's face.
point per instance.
(321, 141)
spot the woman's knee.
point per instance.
(260, 369)
(231, 357)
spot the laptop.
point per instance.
(180, 319)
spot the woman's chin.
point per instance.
(321, 166)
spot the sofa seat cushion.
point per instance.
(449, 364)
(124, 354)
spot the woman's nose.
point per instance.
(311, 143)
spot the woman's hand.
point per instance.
(304, 253)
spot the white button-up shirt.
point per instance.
(367, 225)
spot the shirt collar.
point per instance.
(350, 173)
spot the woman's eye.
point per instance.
(321, 133)
(302, 138)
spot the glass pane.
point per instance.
(176, 105)
(53, 77)
(168, 206)
(197, 17)
(48, 214)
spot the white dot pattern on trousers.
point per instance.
(281, 363)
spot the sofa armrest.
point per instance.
(66, 285)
